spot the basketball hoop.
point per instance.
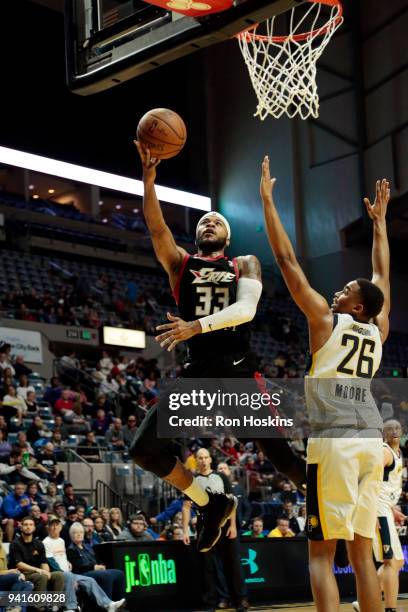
(282, 68)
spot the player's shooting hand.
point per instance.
(149, 163)
(378, 210)
(176, 331)
(267, 183)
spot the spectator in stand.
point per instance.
(90, 535)
(116, 521)
(60, 511)
(257, 529)
(3, 424)
(71, 518)
(287, 493)
(32, 406)
(115, 437)
(64, 405)
(288, 512)
(216, 453)
(136, 531)
(51, 497)
(37, 430)
(171, 534)
(104, 513)
(89, 449)
(11, 399)
(264, 466)
(129, 430)
(109, 386)
(81, 511)
(301, 518)
(47, 460)
(15, 506)
(282, 530)
(5, 446)
(106, 363)
(11, 579)
(60, 426)
(57, 559)
(20, 367)
(231, 454)
(70, 498)
(102, 530)
(15, 471)
(69, 367)
(54, 392)
(59, 445)
(40, 521)
(244, 508)
(35, 496)
(100, 424)
(27, 554)
(24, 387)
(83, 560)
(22, 443)
(97, 375)
(5, 361)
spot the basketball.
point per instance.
(163, 132)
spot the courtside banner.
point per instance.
(23, 342)
(296, 408)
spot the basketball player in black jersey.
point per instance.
(217, 298)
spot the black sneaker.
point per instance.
(214, 516)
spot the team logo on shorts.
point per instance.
(312, 522)
(386, 548)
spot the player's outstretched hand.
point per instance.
(399, 516)
(177, 331)
(149, 163)
(378, 210)
(267, 183)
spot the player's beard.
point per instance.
(210, 246)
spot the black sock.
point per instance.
(390, 609)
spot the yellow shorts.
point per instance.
(344, 476)
(386, 543)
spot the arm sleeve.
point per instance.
(243, 310)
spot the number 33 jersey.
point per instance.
(338, 379)
(205, 286)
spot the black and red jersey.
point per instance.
(206, 285)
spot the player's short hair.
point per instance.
(372, 297)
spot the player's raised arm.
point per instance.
(381, 251)
(314, 305)
(167, 252)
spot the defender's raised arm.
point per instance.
(381, 251)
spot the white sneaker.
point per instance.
(356, 607)
(115, 605)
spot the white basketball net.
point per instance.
(283, 69)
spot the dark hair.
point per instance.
(281, 517)
(372, 297)
(27, 518)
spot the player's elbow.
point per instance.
(246, 313)
(285, 260)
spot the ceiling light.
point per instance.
(31, 187)
(36, 196)
(51, 191)
(115, 182)
(118, 206)
(135, 210)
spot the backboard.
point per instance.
(111, 41)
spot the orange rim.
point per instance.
(249, 34)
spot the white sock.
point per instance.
(197, 494)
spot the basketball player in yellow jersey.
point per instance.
(345, 455)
